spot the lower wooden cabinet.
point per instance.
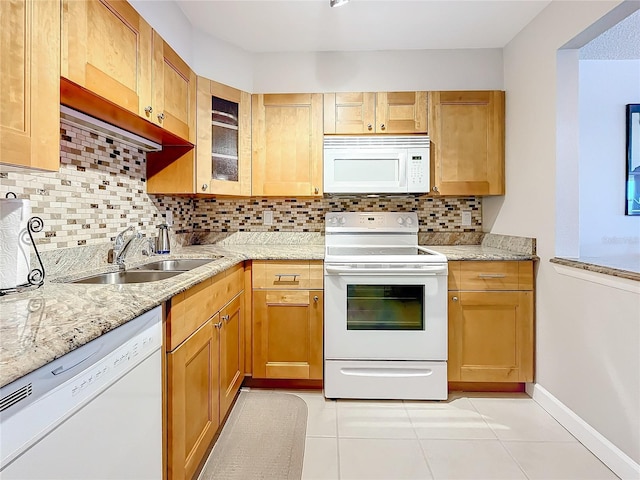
(231, 352)
(204, 365)
(287, 320)
(491, 322)
(192, 400)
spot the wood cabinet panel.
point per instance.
(193, 404)
(189, 310)
(174, 90)
(30, 85)
(287, 145)
(287, 274)
(106, 48)
(467, 136)
(491, 321)
(231, 352)
(375, 113)
(492, 336)
(287, 334)
(349, 112)
(401, 112)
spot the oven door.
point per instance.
(385, 312)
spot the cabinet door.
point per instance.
(467, 137)
(287, 145)
(491, 336)
(349, 112)
(231, 352)
(401, 112)
(192, 400)
(224, 139)
(106, 48)
(287, 334)
(174, 89)
(30, 83)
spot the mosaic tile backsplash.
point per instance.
(100, 190)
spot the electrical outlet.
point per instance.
(267, 217)
(466, 219)
(169, 217)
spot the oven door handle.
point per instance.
(413, 271)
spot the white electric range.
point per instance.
(385, 309)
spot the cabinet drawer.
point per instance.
(491, 275)
(287, 274)
(227, 285)
(189, 310)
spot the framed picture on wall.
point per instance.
(633, 160)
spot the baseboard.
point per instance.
(614, 458)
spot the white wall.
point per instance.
(472, 69)
(378, 71)
(587, 334)
(606, 87)
(169, 21)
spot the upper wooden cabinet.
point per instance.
(382, 112)
(224, 139)
(467, 142)
(286, 145)
(29, 82)
(116, 68)
(106, 48)
(174, 92)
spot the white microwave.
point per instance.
(376, 164)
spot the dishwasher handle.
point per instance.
(62, 369)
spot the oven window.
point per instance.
(385, 307)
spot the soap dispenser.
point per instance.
(162, 241)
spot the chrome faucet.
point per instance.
(121, 246)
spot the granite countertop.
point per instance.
(38, 326)
(478, 252)
(622, 266)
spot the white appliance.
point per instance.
(94, 413)
(376, 164)
(385, 309)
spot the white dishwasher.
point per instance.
(94, 413)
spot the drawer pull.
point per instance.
(491, 275)
(280, 275)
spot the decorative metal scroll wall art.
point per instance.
(35, 278)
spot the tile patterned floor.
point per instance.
(477, 437)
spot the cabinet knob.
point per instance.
(160, 117)
(226, 318)
(369, 127)
(455, 299)
(316, 298)
(218, 325)
(382, 126)
(435, 189)
(148, 109)
(316, 190)
(204, 187)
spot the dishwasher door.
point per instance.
(105, 422)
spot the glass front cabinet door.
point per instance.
(224, 139)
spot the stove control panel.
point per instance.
(383, 221)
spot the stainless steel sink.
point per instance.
(178, 265)
(130, 276)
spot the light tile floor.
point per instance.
(478, 437)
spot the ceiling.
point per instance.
(361, 25)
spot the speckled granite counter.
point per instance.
(623, 267)
(39, 326)
(478, 252)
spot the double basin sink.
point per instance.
(149, 272)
